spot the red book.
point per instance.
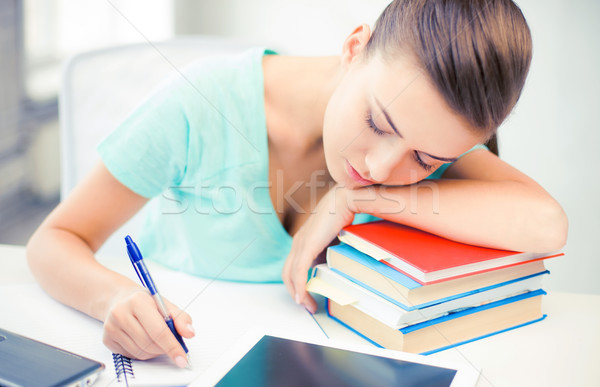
(429, 258)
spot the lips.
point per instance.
(356, 176)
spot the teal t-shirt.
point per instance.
(198, 148)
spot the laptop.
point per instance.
(27, 362)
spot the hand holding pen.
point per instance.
(134, 328)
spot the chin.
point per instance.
(338, 178)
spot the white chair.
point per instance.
(100, 88)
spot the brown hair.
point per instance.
(476, 52)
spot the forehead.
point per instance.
(417, 109)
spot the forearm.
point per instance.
(65, 267)
(501, 214)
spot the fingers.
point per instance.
(124, 334)
(125, 345)
(135, 328)
(299, 278)
(286, 273)
(330, 216)
(157, 329)
(182, 320)
(295, 273)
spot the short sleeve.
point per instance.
(148, 151)
(364, 218)
(440, 171)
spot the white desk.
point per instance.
(562, 350)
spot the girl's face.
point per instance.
(386, 124)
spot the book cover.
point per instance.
(447, 331)
(401, 290)
(429, 258)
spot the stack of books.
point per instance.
(408, 290)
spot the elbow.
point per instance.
(31, 251)
(552, 227)
(38, 250)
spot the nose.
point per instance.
(382, 162)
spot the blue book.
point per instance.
(447, 331)
(408, 294)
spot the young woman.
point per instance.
(241, 154)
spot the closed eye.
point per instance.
(422, 164)
(371, 124)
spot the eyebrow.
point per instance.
(389, 120)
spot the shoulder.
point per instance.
(240, 65)
(210, 76)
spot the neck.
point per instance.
(297, 90)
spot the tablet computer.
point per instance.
(273, 361)
(27, 362)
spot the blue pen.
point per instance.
(144, 275)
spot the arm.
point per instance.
(61, 256)
(481, 200)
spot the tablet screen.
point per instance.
(276, 361)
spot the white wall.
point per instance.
(552, 135)
(57, 29)
(311, 27)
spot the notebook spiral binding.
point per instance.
(123, 368)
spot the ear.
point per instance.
(355, 43)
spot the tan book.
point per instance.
(448, 331)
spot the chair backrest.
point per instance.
(100, 88)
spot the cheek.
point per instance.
(339, 127)
(335, 117)
(408, 173)
(334, 126)
(344, 126)
(330, 147)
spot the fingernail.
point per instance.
(297, 299)
(191, 328)
(181, 362)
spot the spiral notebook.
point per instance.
(159, 371)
